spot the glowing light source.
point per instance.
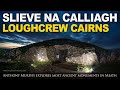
(33, 65)
(85, 69)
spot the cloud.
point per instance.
(23, 39)
(16, 38)
(84, 37)
(12, 40)
(10, 45)
(6, 37)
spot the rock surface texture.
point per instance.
(62, 50)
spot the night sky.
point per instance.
(106, 40)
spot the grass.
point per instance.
(48, 67)
(108, 68)
(14, 66)
(38, 64)
(67, 65)
(27, 66)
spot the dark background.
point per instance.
(59, 5)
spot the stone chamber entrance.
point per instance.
(57, 53)
(61, 55)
